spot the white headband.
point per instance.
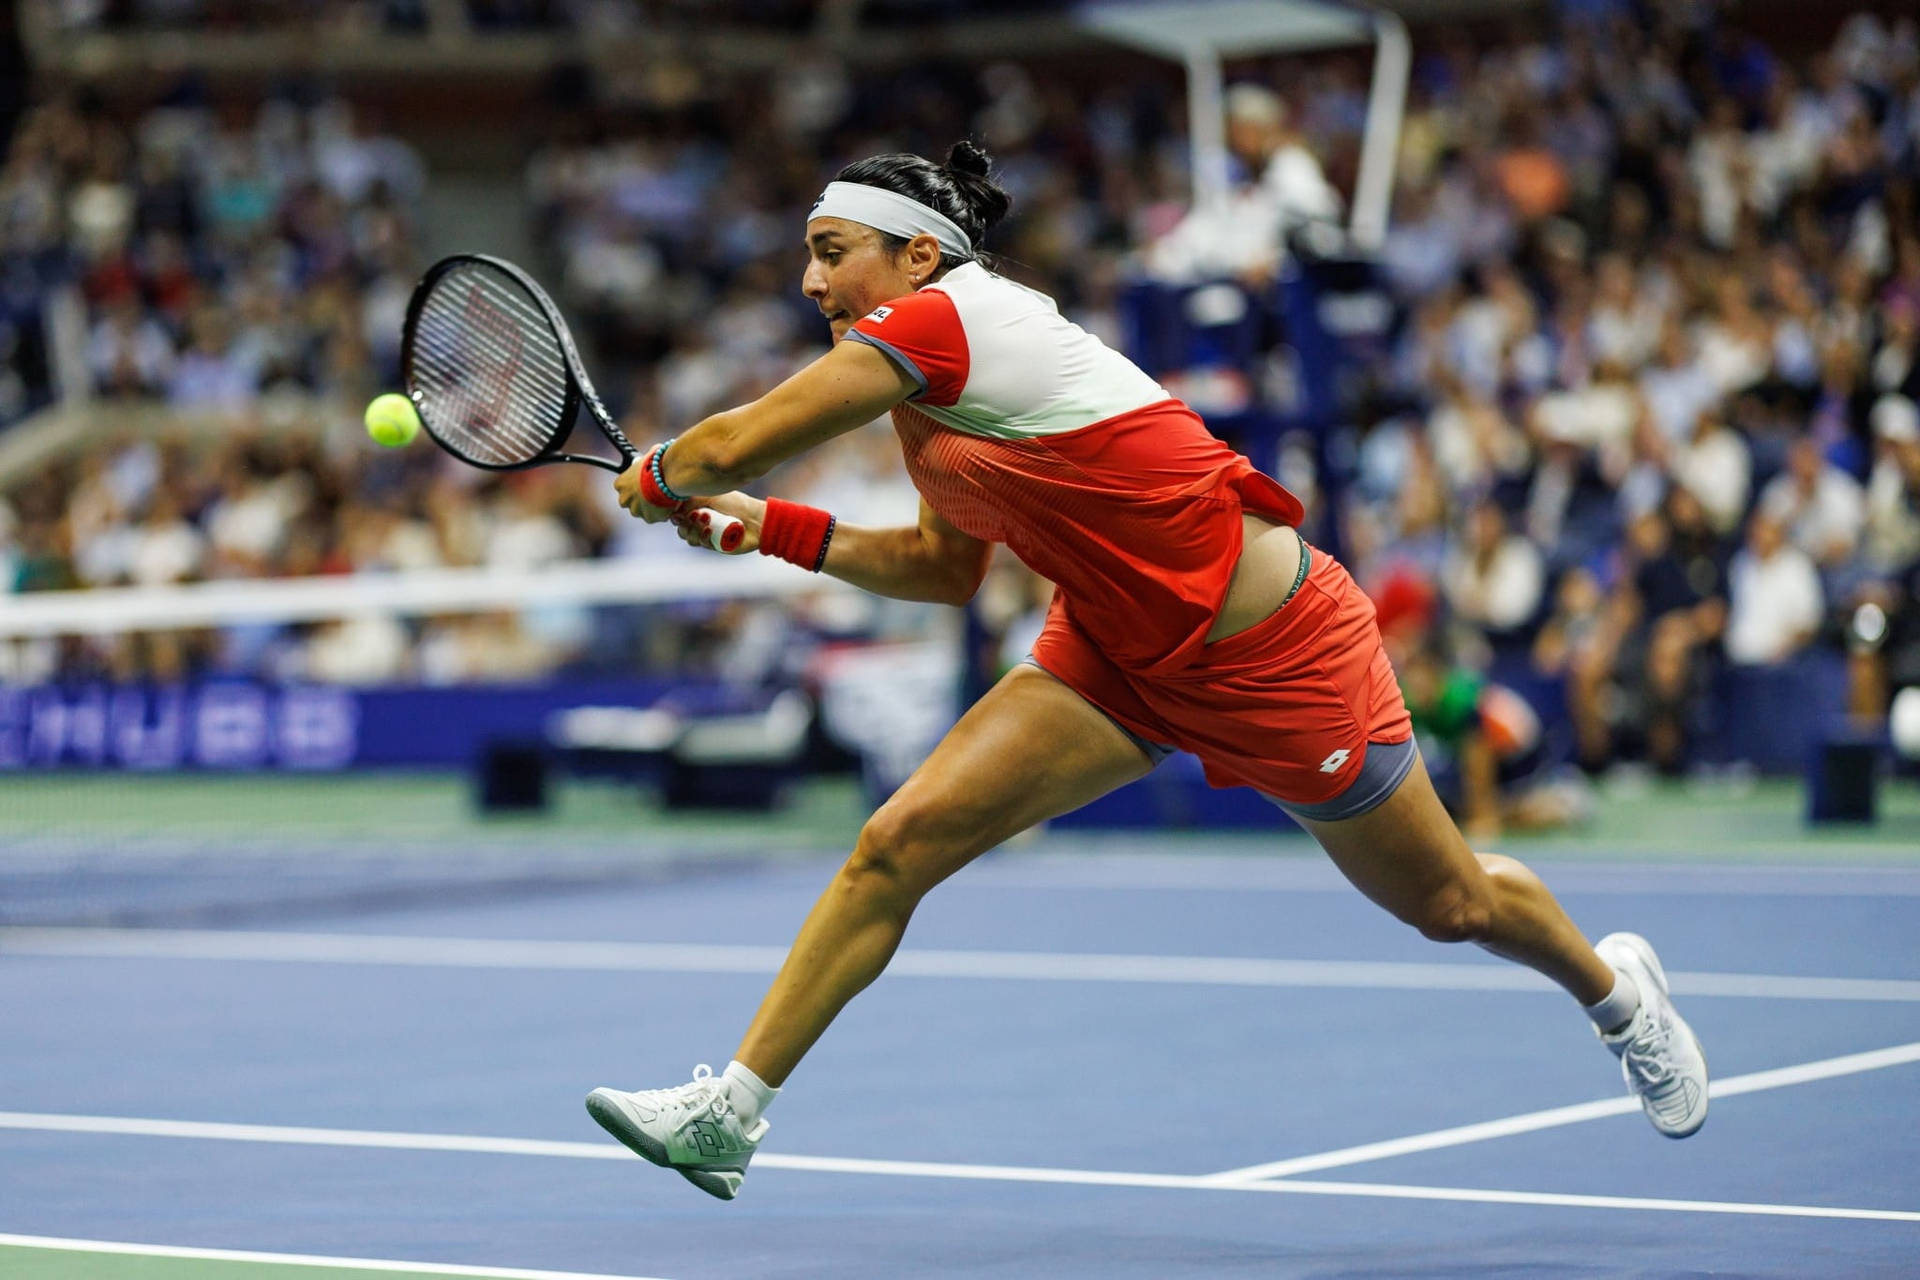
(892, 213)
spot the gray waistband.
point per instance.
(1382, 769)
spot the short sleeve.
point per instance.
(922, 334)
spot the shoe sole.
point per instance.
(611, 1116)
(1642, 951)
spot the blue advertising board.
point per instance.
(247, 725)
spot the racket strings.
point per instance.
(502, 406)
(474, 403)
(489, 373)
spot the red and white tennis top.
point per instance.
(1029, 430)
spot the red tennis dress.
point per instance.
(1028, 430)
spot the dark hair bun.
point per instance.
(985, 198)
(965, 156)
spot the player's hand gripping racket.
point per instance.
(489, 364)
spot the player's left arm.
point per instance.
(848, 387)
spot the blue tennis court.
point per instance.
(1084, 1063)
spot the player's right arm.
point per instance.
(930, 561)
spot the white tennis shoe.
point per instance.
(692, 1129)
(1659, 1055)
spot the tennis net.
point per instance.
(205, 754)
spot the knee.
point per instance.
(1456, 913)
(893, 861)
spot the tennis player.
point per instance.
(1188, 614)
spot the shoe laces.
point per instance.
(705, 1092)
(1649, 1052)
(709, 1091)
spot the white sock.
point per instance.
(748, 1094)
(1619, 1006)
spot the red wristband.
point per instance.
(796, 533)
(649, 487)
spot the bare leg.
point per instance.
(1029, 750)
(1408, 856)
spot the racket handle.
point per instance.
(724, 533)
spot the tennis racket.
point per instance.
(489, 365)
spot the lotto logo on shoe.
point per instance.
(879, 313)
(704, 1138)
(1333, 762)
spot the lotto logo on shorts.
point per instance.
(879, 313)
(1333, 762)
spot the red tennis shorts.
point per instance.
(1285, 707)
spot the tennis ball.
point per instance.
(392, 421)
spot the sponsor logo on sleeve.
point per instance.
(879, 313)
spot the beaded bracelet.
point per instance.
(659, 473)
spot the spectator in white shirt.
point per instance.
(1715, 466)
(1892, 541)
(1246, 236)
(1822, 508)
(1677, 386)
(1773, 597)
(1626, 324)
(165, 548)
(1495, 578)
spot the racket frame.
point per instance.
(725, 533)
(579, 386)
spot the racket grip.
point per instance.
(724, 533)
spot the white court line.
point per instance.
(294, 1259)
(653, 957)
(915, 1168)
(1263, 872)
(1753, 1082)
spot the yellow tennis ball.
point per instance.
(392, 421)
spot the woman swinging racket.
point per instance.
(1189, 614)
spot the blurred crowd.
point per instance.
(213, 253)
(1648, 411)
(1655, 398)
(489, 16)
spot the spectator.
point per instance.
(166, 548)
(129, 353)
(1494, 580)
(1892, 534)
(1484, 746)
(1475, 446)
(1774, 600)
(1716, 469)
(1677, 388)
(1682, 597)
(1284, 188)
(1641, 674)
(1821, 508)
